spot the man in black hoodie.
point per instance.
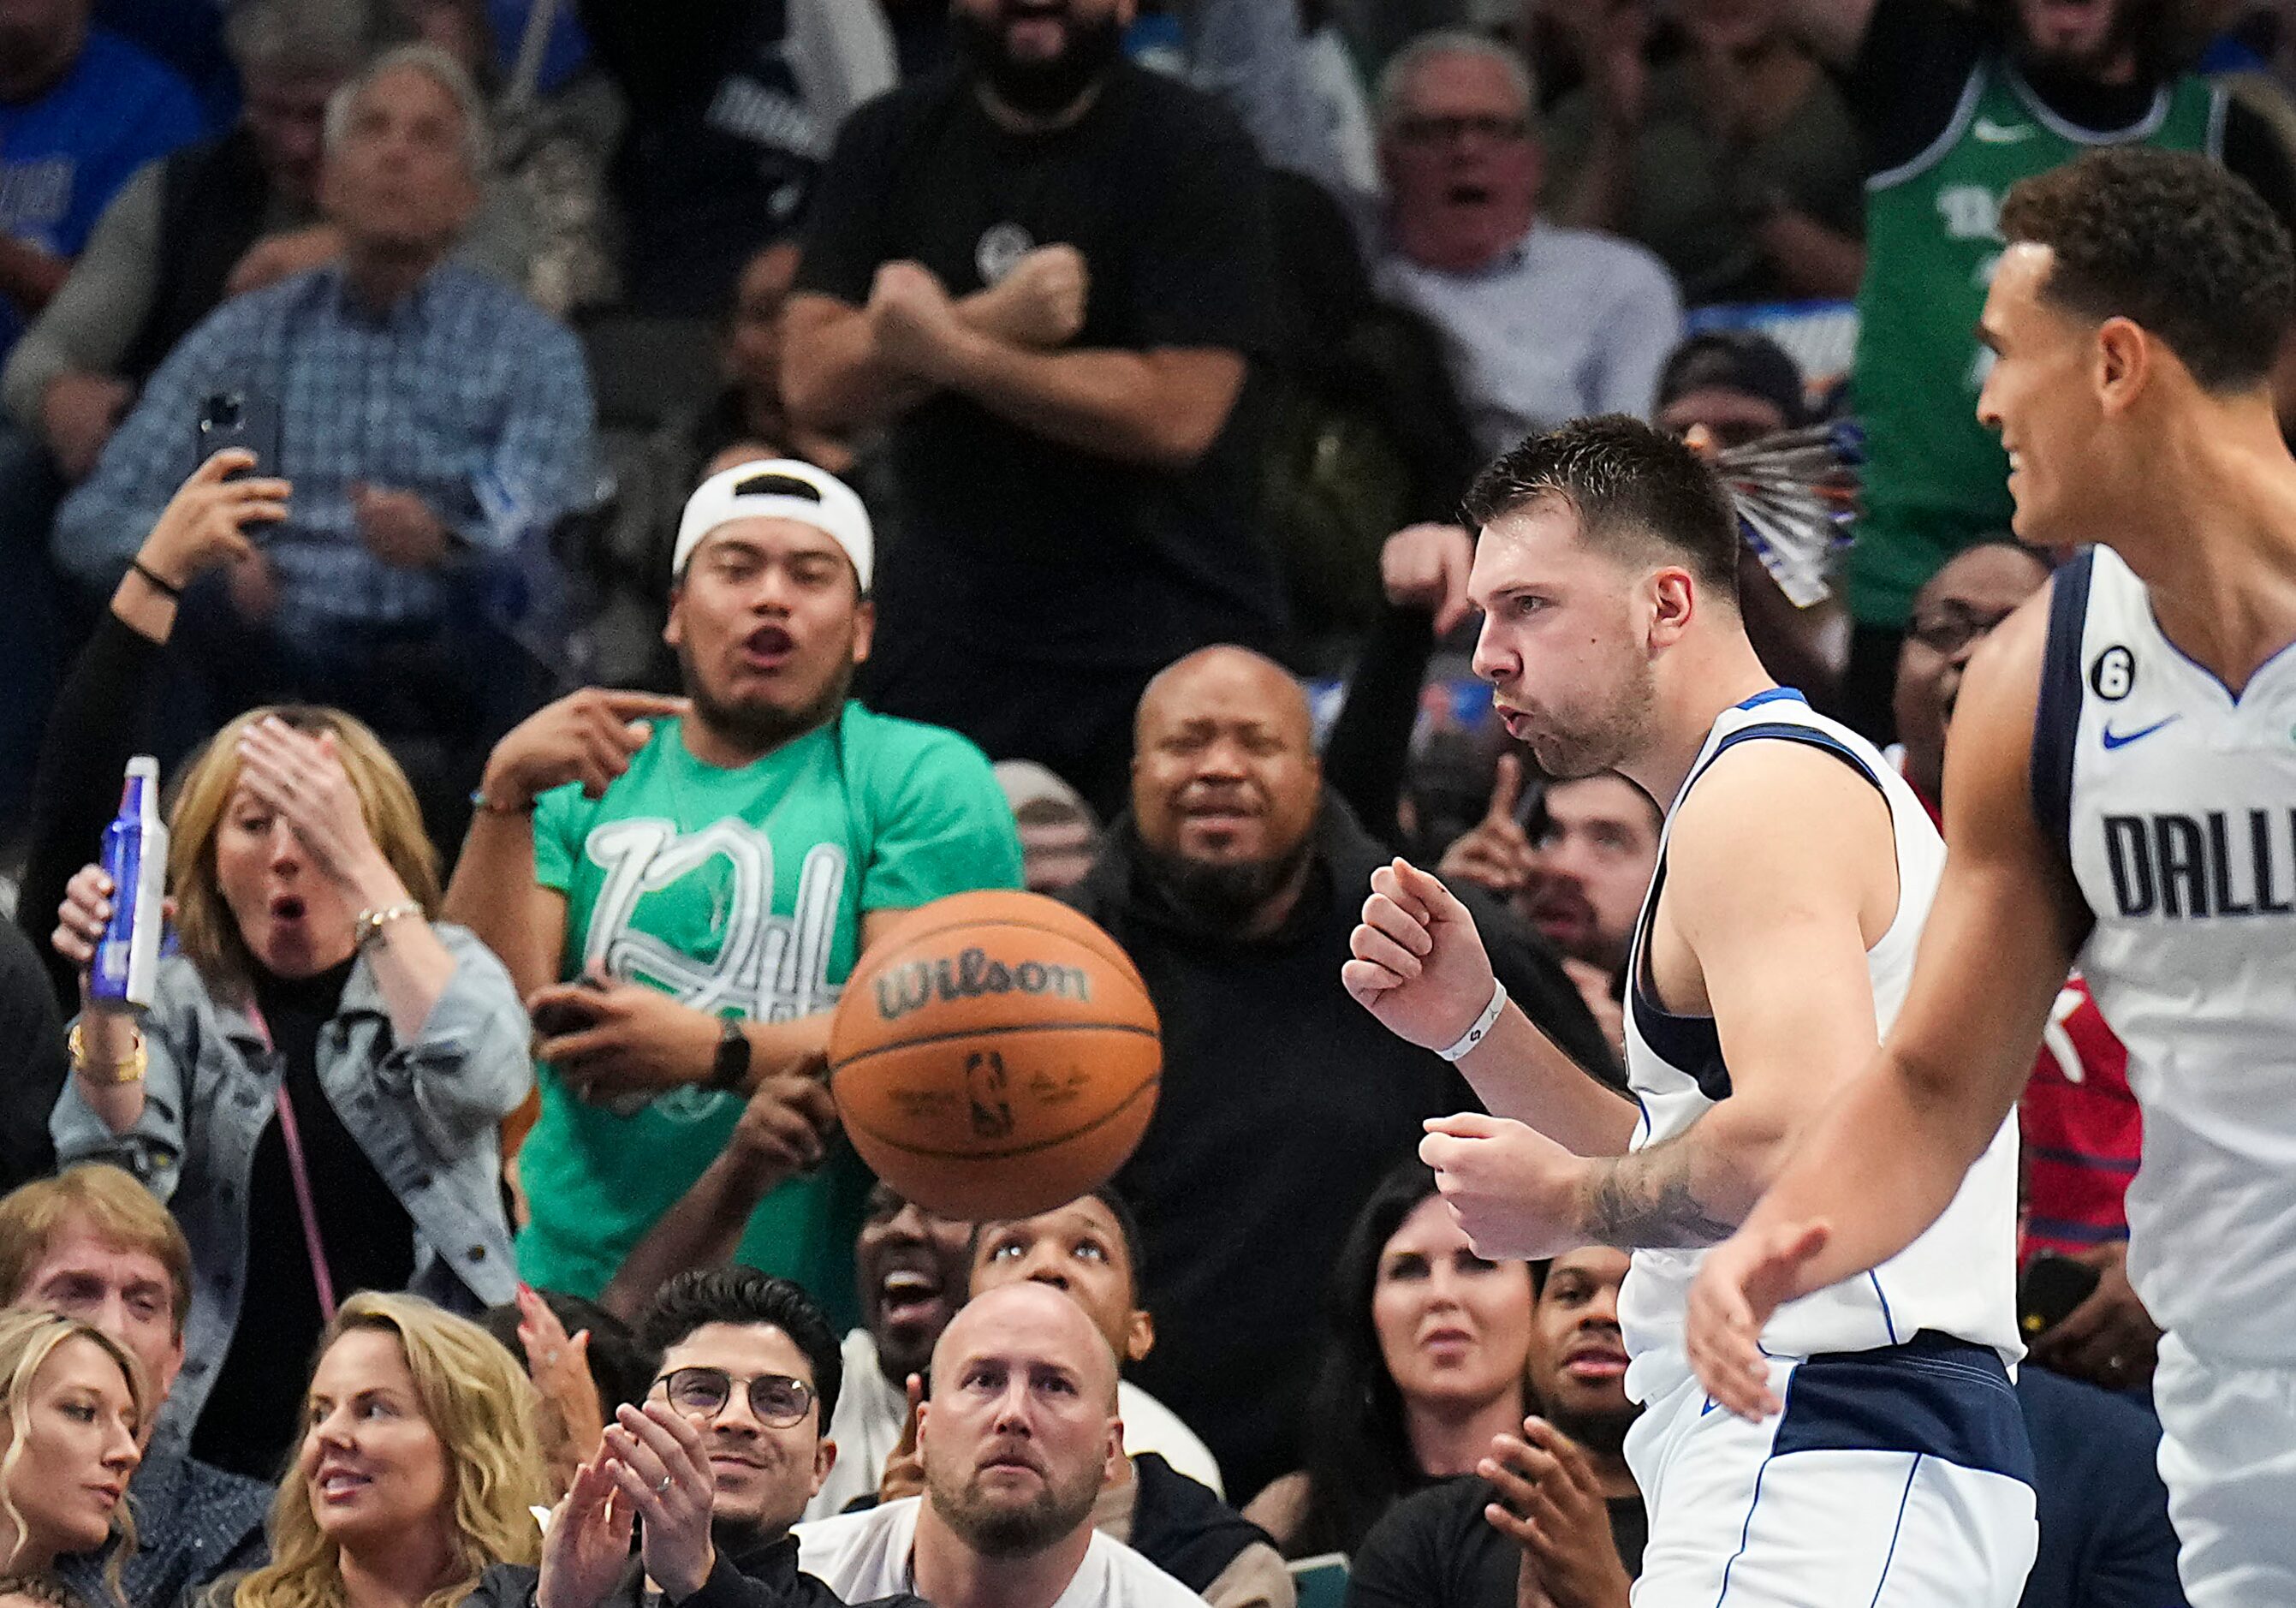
(1234, 883)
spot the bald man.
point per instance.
(1233, 883)
(1019, 1436)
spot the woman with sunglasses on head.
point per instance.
(318, 1088)
(418, 1469)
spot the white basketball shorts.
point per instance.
(2228, 1457)
(1898, 1478)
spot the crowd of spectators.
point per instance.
(600, 509)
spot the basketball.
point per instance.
(994, 1056)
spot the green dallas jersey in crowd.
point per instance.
(1936, 479)
(740, 892)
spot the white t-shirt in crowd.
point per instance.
(871, 1410)
(868, 1555)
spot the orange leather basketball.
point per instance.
(995, 1055)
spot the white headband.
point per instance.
(833, 509)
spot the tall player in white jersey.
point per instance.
(1795, 870)
(2120, 786)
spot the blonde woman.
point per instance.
(70, 1403)
(418, 1469)
(318, 1087)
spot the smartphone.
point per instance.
(558, 1019)
(238, 418)
(2053, 1286)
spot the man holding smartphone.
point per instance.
(433, 425)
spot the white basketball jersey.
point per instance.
(2175, 803)
(1959, 1278)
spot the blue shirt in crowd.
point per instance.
(465, 393)
(65, 153)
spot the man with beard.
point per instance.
(1018, 1439)
(680, 885)
(1956, 103)
(1578, 872)
(1048, 273)
(1554, 1511)
(725, 1453)
(1796, 870)
(1233, 884)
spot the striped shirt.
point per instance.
(463, 393)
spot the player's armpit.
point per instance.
(1781, 871)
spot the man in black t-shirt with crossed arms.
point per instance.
(1046, 270)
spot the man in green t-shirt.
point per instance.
(681, 885)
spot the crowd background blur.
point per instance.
(597, 509)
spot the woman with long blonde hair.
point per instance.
(418, 1470)
(318, 1087)
(71, 1401)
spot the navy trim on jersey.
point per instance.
(2056, 716)
(1934, 1395)
(1690, 1043)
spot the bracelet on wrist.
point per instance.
(481, 802)
(130, 1068)
(155, 580)
(372, 923)
(1481, 1026)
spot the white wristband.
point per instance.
(1473, 1036)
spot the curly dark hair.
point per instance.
(2171, 241)
(1633, 488)
(736, 1294)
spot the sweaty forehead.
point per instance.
(1229, 687)
(770, 538)
(1024, 1325)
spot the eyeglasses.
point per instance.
(776, 1399)
(1449, 130)
(1952, 628)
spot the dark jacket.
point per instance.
(763, 1576)
(1181, 1528)
(194, 1525)
(1283, 1103)
(212, 202)
(2105, 1537)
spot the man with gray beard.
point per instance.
(1233, 883)
(1018, 1436)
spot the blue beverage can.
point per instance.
(135, 858)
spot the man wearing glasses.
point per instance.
(718, 1465)
(1544, 323)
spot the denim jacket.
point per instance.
(428, 1114)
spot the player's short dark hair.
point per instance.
(1632, 487)
(2171, 241)
(736, 1294)
(620, 1365)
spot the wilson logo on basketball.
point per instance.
(970, 976)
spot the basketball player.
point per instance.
(2120, 788)
(1795, 868)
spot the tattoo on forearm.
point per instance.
(1646, 1200)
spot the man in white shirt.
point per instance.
(1019, 1436)
(1544, 323)
(913, 1273)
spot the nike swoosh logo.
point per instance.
(2113, 739)
(2001, 134)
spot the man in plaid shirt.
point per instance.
(432, 423)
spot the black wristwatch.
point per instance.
(731, 1065)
